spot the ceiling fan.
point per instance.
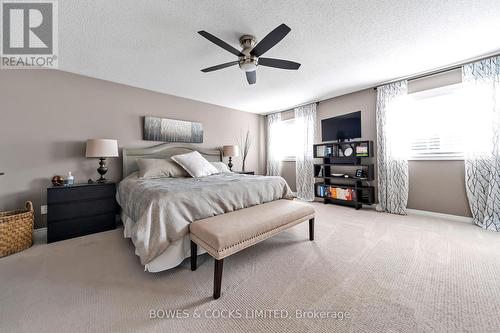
(250, 55)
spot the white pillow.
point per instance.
(221, 167)
(195, 164)
(159, 168)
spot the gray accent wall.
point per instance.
(46, 117)
(438, 186)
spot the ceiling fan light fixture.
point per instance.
(248, 65)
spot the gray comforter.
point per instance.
(163, 208)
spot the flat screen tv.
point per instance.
(340, 128)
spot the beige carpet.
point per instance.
(390, 273)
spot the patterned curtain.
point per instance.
(273, 156)
(305, 122)
(481, 82)
(392, 147)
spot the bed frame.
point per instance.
(164, 151)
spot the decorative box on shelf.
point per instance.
(346, 172)
(80, 209)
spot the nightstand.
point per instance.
(79, 210)
(246, 172)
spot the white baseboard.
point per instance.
(40, 236)
(450, 217)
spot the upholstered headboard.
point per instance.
(164, 151)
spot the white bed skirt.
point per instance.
(173, 255)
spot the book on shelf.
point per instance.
(339, 193)
(320, 191)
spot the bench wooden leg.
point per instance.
(217, 277)
(311, 229)
(194, 255)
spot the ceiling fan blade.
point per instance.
(221, 66)
(251, 77)
(278, 63)
(220, 42)
(272, 38)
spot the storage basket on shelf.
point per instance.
(16, 230)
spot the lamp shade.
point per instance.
(231, 150)
(101, 148)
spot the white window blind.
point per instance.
(437, 124)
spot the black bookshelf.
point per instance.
(335, 166)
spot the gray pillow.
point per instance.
(158, 168)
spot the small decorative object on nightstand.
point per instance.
(57, 180)
(102, 148)
(79, 210)
(230, 151)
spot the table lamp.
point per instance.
(230, 151)
(101, 148)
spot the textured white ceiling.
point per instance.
(343, 46)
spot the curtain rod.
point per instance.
(411, 77)
(293, 107)
(440, 70)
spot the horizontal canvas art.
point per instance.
(171, 130)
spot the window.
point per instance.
(287, 140)
(437, 124)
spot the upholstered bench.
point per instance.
(226, 234)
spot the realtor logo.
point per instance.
(29, 34)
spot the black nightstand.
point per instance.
(246, 172)
(79, 210)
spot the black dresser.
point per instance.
(80, 210)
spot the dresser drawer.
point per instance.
(65, 229)
(79, 209)
(78, 193)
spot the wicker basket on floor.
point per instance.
(16, 230)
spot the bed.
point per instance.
(156, 213)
